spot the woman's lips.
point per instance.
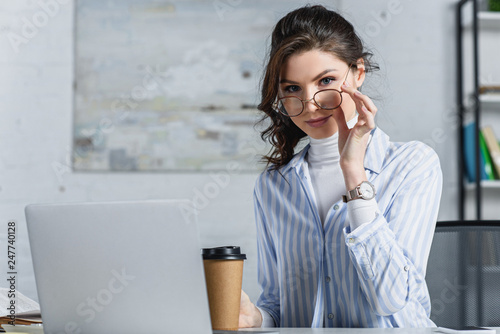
(317, 122)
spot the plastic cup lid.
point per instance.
(223, 253)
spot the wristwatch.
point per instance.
(365, 190)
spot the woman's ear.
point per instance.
(359, 73)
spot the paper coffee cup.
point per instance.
(224, 275)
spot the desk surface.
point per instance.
(355, 330)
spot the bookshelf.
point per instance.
(481, 195)
(482, 29)
(487, 184)
(489, 20)
(490, 100)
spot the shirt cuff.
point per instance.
(267, 320)
(361, 211)
(369, 246)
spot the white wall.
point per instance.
(414, 47)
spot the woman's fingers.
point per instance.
(360, 99)
(366, 101)
(369, 117)
(339, 116)
(365, 107)
(352, 93)
(249, 314)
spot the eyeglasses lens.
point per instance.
(328, 99)
(291, 106)
(325, 99)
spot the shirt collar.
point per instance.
(297, 160)
(374, 158)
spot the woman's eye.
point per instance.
(327, 81)
(292, 89)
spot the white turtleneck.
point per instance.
(326, 176)
(328, 181)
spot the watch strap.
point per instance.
(355, 193)
(351, 194)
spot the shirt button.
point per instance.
(406, 268)
(327, 279)
(351, 240)
(330, 316)
(336, 207)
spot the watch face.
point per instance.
(367, 190)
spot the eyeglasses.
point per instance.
(327, 99)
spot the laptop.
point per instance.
(118, 267)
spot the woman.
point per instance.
(345, 225)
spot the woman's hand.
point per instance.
(353, 142)
(249, 314)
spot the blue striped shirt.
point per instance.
(329, 276)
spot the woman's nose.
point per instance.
(310, 105)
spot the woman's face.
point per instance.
(304, 74)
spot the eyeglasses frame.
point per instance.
(278, 109)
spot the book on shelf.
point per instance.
(488, 163)
(489, 90)
(493, 147)
(470, 155)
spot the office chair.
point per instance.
(463, 273)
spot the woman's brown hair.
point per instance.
(304, 29)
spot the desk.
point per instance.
(355, 330)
